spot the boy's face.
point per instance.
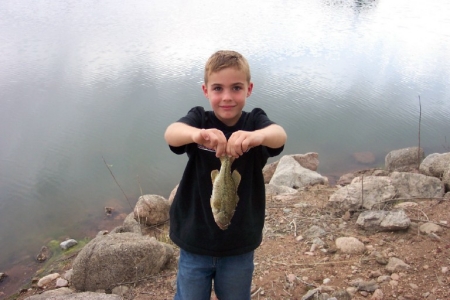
(227, 91)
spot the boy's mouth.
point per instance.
(227, 107)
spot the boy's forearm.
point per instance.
(179, 134)
(274, 136)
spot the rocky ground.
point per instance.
(288, 265)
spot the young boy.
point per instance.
(206, 251)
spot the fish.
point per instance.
(224, 197)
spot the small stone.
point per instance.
(120, 290)
(413, 286)
(393, 283)
(326, 280)
(383, 278)
(425, 267)
(291, 278)
(67, 244)
(60, 282)
(395, 276)
(444, 270)
(377, 295)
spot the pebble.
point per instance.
(413, 286)
(444, 270)
(326, 280)
(393, 283)
(60, 282)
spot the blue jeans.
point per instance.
(232, 276)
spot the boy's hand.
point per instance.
(211, 139)
(241, 141)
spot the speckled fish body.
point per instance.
(224, 196)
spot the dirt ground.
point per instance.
(287, 266)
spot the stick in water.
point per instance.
(117, 182)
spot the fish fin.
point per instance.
(214, 174)
(236, 178)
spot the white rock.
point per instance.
(67, 244)
(60, 282)
(47, 279)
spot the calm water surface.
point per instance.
(81, 79)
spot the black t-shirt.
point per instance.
(192, 225)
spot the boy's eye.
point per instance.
(237, 88)
(217, 88)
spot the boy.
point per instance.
(206, 251)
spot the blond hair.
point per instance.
(226, 59)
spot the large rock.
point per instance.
(414, 185)
(364, 192)
(435, 164)
(380, 220)
(290, 173)
(309, 161)
(370, 192)
(406, 159)
(151, 210)
(111, 259)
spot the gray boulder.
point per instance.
(112, 259)
(414, 185)
(435, 164)
(363, 192)
(404, 160)
(380, 220)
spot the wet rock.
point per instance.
(3, 276)
(43, 255)
(365, 157)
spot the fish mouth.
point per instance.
(221, 226)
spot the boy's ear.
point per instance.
(249, 89)
(205, 90)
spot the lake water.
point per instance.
(85, 80)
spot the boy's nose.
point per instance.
(227, 95)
